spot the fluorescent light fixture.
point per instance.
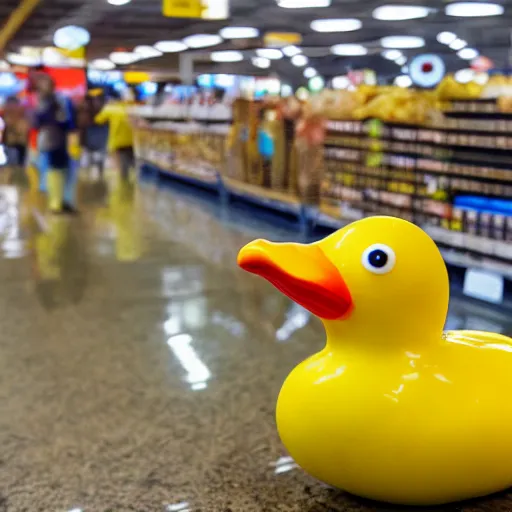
(299, 60)
(239, 32)
(464, 76)
(202, 40)
(302, 94)
(170, 46)
(392, 54)
(261, 62)
(147, 52)
(303, 4)
(269, 53)
(227, 56)
(349, 49)
(124, 58)
(403, 81)
(336, 25)
(340, 82)
(400, 12)
(20, 59)
(286, 90)
(291, 50)
(446, 37)
(468, 53)
(458, 44)
(71, 37)
(102, 64)
(310, 72)
(401, 60)
(118, 2)
(317, 83)
(402, 42)
(473, 9)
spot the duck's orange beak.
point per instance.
(303, 273)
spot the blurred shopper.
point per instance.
(16, 131)
(54, 118)
(93, 136)
(120, 136)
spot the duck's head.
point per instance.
(380, 278)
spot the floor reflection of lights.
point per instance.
(296, 318)
(198, 373)
(12, 246)
(178, 507)
(283, 465)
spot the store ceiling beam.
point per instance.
(16, 21)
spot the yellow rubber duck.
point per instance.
(392, 408)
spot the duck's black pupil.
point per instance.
(378, 258)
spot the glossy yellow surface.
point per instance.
(392, 408)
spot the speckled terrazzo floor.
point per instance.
(139, 368)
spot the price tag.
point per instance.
(484, 285)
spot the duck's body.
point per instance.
(392, 409)
(404, 428)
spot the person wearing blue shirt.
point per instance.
(54, 118)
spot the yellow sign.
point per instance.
(183, 8)
(136, 77)
(279, 39)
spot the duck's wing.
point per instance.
(479, 339)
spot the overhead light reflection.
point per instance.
(283, 465)
(296, 319)
(198, 373)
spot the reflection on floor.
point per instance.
(139, 367)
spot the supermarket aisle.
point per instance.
(139, 367)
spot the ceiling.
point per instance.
(141, 22)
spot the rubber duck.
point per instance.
(392, 409)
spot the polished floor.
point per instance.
(139, 368)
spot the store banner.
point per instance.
(183, 8)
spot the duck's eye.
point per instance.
(379, 259)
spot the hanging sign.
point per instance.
(183, 8)
(280, 39)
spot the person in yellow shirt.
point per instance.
(120, 136)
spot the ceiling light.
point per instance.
(20, 59)
(310, 72)
(227, 56)
(340, 82)
(458, 44)
(170, 46)
(349, 49)
(302, 94)
(286, 90)
(316, 83)
(467, 53)
(402, 42)
(464, 76)
(71, 37)
(303, 4)
(239, 32)
(400, 12)
(336, 25)
(202, 40)
(299, 60)
(291, 50)
(269, 53)
(392, 54)
(446, 37)
(124, 58)
(118, 2)
(403, 81)
(102, 64)
(401, 60)
(147, 52)
(473, 9)
(260, 62)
